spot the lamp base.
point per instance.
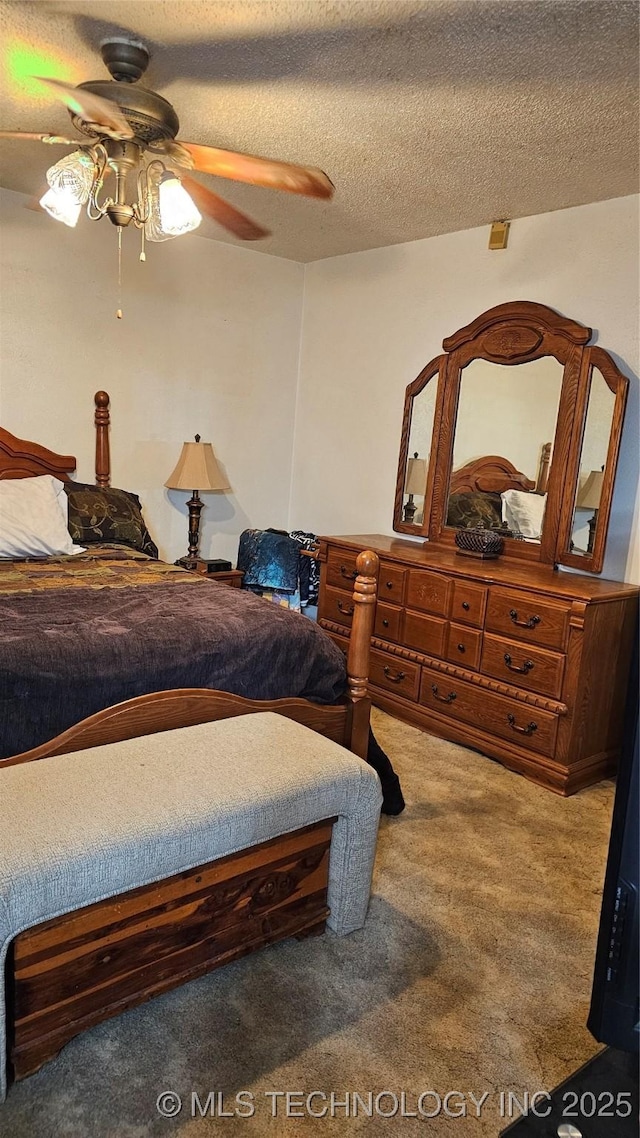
(410, 510)
(592, 532)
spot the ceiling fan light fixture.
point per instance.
(75, 174)
(178, 213)
(62, 204)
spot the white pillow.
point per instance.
(33, 518)
(523, 512)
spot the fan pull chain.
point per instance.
(143, 255)
(119, 309)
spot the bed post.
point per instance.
(364, 607)
(543, 472)
(102, 420)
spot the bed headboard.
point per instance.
(20, 458)
(493, 474)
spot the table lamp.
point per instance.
(589, 499)
(416, 483)
(196, 470)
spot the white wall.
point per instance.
(372, 321)
(209, 343)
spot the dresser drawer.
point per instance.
(336, 605)
(395, 675)
(535, 669)
(341, 569)
(387, 622)
(468, 603)
(527, 727)
(391, 581)
(464, 646)
(526, 617)
(424, 633)
(429, 592)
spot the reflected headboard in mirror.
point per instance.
(519, 425)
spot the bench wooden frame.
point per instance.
(74, 971)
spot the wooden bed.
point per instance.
(346, 722)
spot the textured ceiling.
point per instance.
(428, 116)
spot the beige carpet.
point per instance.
(472, 975)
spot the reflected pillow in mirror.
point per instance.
(33, 518)
(474, 508)
(523, 512)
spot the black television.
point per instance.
(610, 1079)
(615, 1005)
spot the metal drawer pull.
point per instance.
(466, 606)
(389, 584)
(528, 730)
(385, 623)
(443, 698)
(526, 667)
(345, 611)
(461, 648)
(530, 623)
(399, 676)
(344, 572)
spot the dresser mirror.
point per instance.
(593, 459)
(423, 409)
(509, 412)
(520, 421)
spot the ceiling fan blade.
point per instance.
(173, 151)
(105, 116)
(223, 212)
(53, 139)
(260, 171)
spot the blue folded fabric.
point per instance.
(268, 560)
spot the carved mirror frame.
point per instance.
(513, 334)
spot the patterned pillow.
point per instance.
(474, 509)
(104, 514)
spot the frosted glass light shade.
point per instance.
(197, 469)
(70, 182)
(74, 174)
(153, 230)
(178, 214)
(62, 205)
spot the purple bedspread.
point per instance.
(67, 652)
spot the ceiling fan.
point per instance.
(128, 128)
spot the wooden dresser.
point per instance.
(520, 661)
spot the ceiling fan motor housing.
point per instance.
(149, 115)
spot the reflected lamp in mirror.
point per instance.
(196, 470)
(416, 484)
(589, 499)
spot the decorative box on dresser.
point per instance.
(520, 661)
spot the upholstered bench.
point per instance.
(130, 868)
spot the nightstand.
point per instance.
(232, 577)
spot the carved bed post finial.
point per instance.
(364, 607)
(102, 420)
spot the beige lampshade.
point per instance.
(416, 476)
(589, 495)
(197, 469)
